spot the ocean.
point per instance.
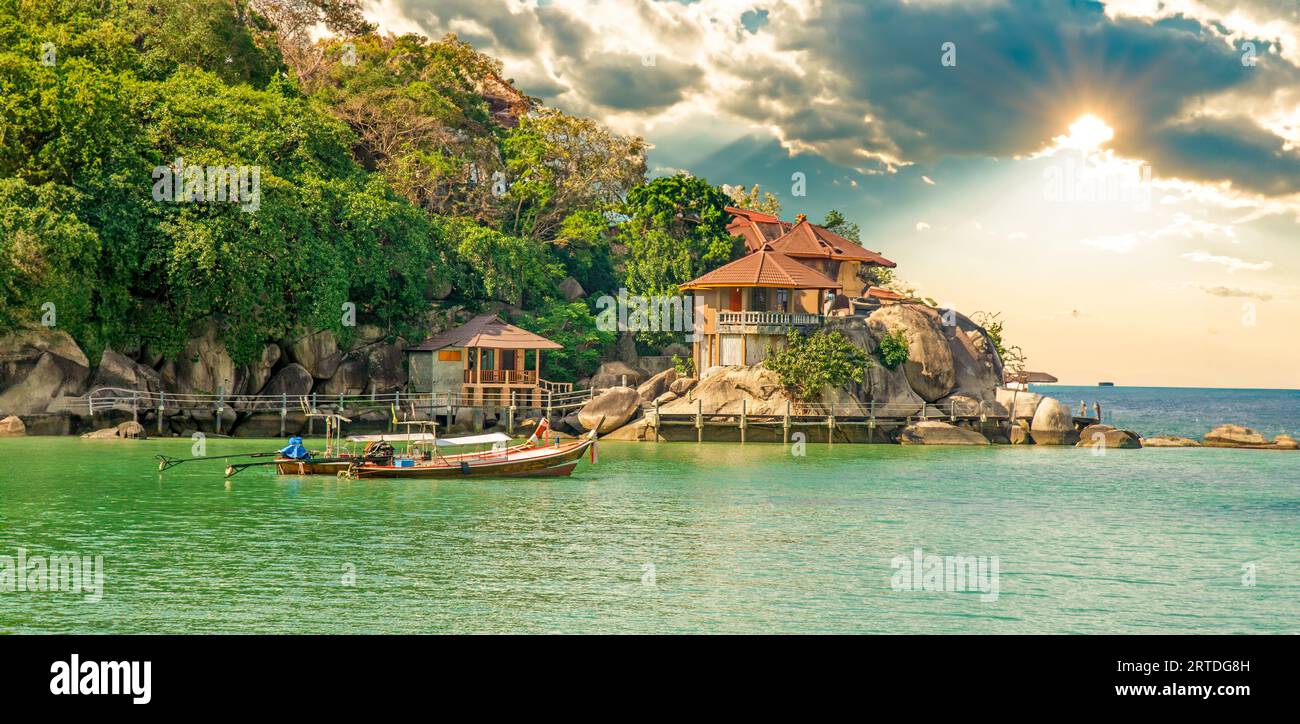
(680, 538)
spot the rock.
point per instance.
(616, 374)
(1053, 423)
(267, 424)
(293, 380)
(108, 433)
(964, 405)
(131, 430)
(469, 418)
(1169, 441)
(682, 385)
(939, 433)
(385, 367)
(38, 365)
(977, 370)
(571, 289)
(363, 335)
(571, 423)
(1108, 437)
(203, 366)
(890, 392)
(616, 405)
(656, 364)
(1234, 436)
(665, 398)
(1020, 434)
(657, 385)
(317, 352)
(929, 368)
(350, 378)
(625, 350)
(1026, 402)
(676, 349)
(757, 387)
(48, 423)
(637, 431)
(118, 370)
(12, 426)
(256, 374)
(715, 369)
(1286, 442)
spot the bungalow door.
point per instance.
(736, 304)
(733, 350)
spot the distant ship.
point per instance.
(1105, 384)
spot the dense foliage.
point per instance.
(809, 363)
(893, 349)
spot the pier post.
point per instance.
(510, 415)
(221, 409)
(785, 425)
(871, 424)
(830, 427)
(162, 405)
(284, 410)
(699, 419)
(311, 421)
(744, 419)
(135, 398)
(656, 425)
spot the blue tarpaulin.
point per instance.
(294, 450)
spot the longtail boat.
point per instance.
(424, 459)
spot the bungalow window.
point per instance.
(448, 355)
(782, 300)
(758, 299)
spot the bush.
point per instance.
(893, 349)
(685, 366)
(807, 364)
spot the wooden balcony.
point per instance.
(501, 377)
(768, 319)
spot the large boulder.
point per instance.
(682, 385)
(977, 369)
(939, 433)
(756, 388)
(131, 430)
(12, 426)
(571, 289)
(616, 374)
(350, 378)
(615, 406)
(929, 367)
(1169, 441)
(657, 385)
(293, 380)
(1105, 436)
(317, 352)
(625, 349)
(1026, 403)
(890, 391)
(204, 365)
(1234, 436)
(38, 365)
(257, 373)
(385, 367)
(118, 370)
(1286, 442)
(1053, 423)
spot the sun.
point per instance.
(1087, 133)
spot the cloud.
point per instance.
(922, 226)
(1238, 293)
(1233, 264)
(862, 85)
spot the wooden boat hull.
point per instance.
(544, 462)
(298, 467)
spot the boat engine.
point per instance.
(380, 452)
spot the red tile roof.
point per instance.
(752, 215)
(880, 293)
(764, 268)
(489, 331)
(809, 241)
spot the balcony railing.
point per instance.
(783, 319)
(501, 377)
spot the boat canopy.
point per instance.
(491, 437)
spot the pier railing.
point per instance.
(105, 399)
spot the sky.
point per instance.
(1120, 181)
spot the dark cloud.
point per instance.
(627, 82)
(1025, 69)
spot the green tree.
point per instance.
(754, 198)
(572, 325)
(807, 364)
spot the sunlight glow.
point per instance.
(1087, 133)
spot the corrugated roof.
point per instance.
(488, 331)
(764, 268)
(807, 240)
(880, 293)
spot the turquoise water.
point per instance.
(1186, 411)
(741, 539)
